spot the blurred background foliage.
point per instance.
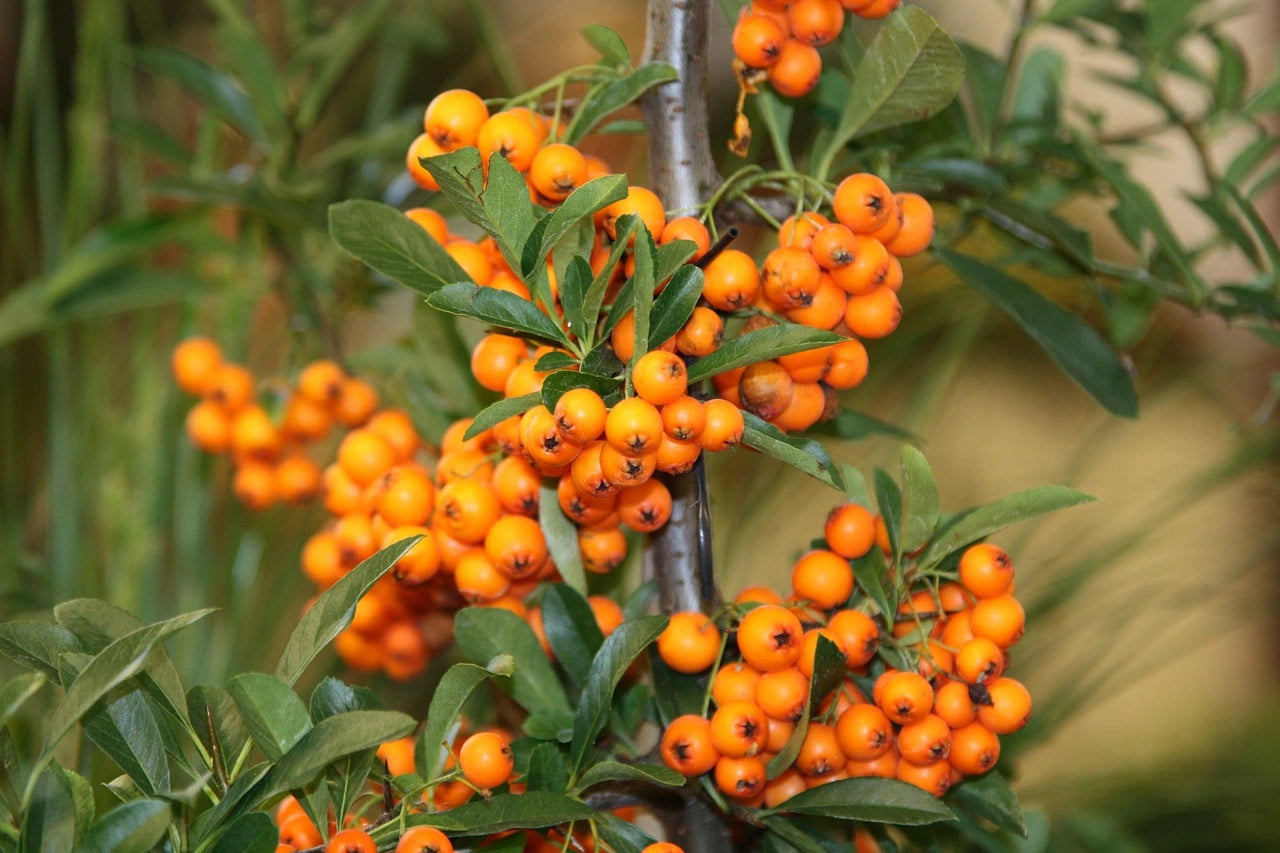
(165, 169)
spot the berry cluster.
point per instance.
(931, 726)
(781, 37)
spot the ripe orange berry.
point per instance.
(195, 362)
(607, 612)
(675, 456)
(926, 741)
(780, 732)
(758, 40)
(510, 135)
(406, 496)
(917, 226)
(356, 403)
(738, 729)
(486, 760)
(603, 548)
(586, 510)
(304, 419)
(543, 441)
(588, 472)
(424, 839)
(797, 232)
(690, 643)
(790, 277)
(722, 426)
(299, 832)
(868, 267)
(687, 747)
(209, 427)
(740, 778)
(975, 749)
(660, 377)
(979, 660)
(422, 148)
(365, 456)
(864, 732)
(820, 752)
(351, 841)
(954, 598)
(986, 571)
(758, 595)
(405, 652)
(453, 119)
(254, 485)
(766, 389)
(1000, 619)
(474, 260)
(735, 682)
(467, 510)
(231, 387)
(782, 694)
(884, 767)
(957, 630)
(580, 415)
(662, 847)
(683, 418)
(850, 530)
(430, 221)
(905, 697)
(633, 426)
(934, 778)
(702, 334)
(557, 170)
(322, 560)
(877, 9)
(1010, 707)
(646, 507)
(516, 546)
(253, 435)
(297, 479)
(478, 579)
(687, 228)
(823, 577)
(640, 201)
(809, 648)
(421, 562)
(797, 69)
(848, 365)
(784, 787)
(875, 314)
(625, 471)
(321, 382)
(863, 203)
(523, 380)
(494, 357)
(769, 638)
(826, 306)
(731, 281)
(858, 634)
(816, 22)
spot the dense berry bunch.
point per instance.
(931, 724)
(780, 38)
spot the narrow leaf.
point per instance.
(495, 413)
(497, 308)
(674, 305)
(562, 540)
(804, 454)
(613, 771)
(453, 691)
(982, 521)
(571, 629)
(761, 345)
(484, 633)
(923, 503)
(133, 827)
(331, 739)
(871, 800)
(989, 796)
(386, 240)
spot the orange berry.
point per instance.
(683, 418)
(809, 648)
(646, 507)
(675, 456)
(797, 232)
(864, 732)
(858, 634)
(884, 767)
(863, 203)
(478, 579)
(766, 389)
(769, 638)
(905, 697)
(979, 660)
(231, 387)
(868, 267)
(511, 136)
(782, 694)
(486, 760)
(195, 362)
(784, 787)
(690, 643)
(304, 419)
(701, 335)
(254, 485)
(1010, 707)
(660, 377)
(735, 682)
(820, 752)
(421, 562)
(431, 222)
(640, 201)
(687, 228)
(580, 415)
(607, 612)
(986, 571)
(473, 259)
(633, 426)
(209, 427)
(850, 531)
(797, 69)
(722, 425)
(934, 778)
(925, 742)
(453, 118)
(297, 479)
(954, 705)
(816, 22)
(875, 314)
(406, 496)
(517, 485)
(848, 365)
(467, 509)
(1000, 619)
(516, 546)
(917, 226)
(365, 456)
(731, 281)
(738, 729)
(823, 577)
(686, 746)
(322, 559)
(495, 357)
(758, 40)
(603, 549)
(356, 403)
(557, 170)
(740, 778)
(826, 307)
(790, 277)
(422, 148)
(975, 749)
(424, 839)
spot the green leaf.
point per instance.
(621, 836)
(852, 425)
(985, 80)
(803, 454)
(989, 796)
(554, 360)
(889, 502)
(1076, 347)
(556, 384)
(333, 611)
(1037, 99)
(613, 771)
(562, 539)
(638, 602)
(871, 800)
(235, 802)
(530, 810)
(1256, 222)
(550, 725)
(976, 523)
(760, 345)
(674, 305)
(453, 691)
(126, 727)
(272, 713)
(871, 572)
(49, 821)
(547, 770)
(331, 739)
(16, 692)
(594, 297)
(118, 662)
(497, 412)
(133, 827)
(254, 832)
(510, 211)
(386, 240)
(584, 201)
(37, 645)
(461, 179)
(643, 282)
(675, 693)
(213, 88)
(573, 290)
(923, 503)
(333, 696)
(909, 72)
(483, 633)
(226, 718)
(617, 95)
(497, 308)
(1069, 240)
(1228, 225)
(571, 628)
(611, 46)
(799, 840)
(829, 665)
(620, 649)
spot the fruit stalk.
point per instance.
(683, 174)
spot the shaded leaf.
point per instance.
(483, 633)
(674, 305)
(613, 771)
(989, 796)
(212, 87)
(133, 827)
(231, 732)
(16, 692)
(871, 800)
(889, 502)
(584, 201)
(609, 43)
(804, 454)
(760, 345)
(497, 308)
(829, 665)
(547, 769)
(254, 832)
(497, 412)
(530, 810)
(562, 539)
(556, 384)
(37, 645)
(571, 629)
(453, 691)
(386, 240)
(617, 95)
(272, 713)
(331, 739)
(923, 503)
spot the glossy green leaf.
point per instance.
(870, 800)
(804, 454)
(796, 839)
(637, 603)
(554, 360)
(889, 502)
(982, 521)
(128, 728)
(620, 835)
(272, 713)
(484, 633)
(133, 827)
(333, 696)
(222, 710)
(829, 665)
(584, 201)
(453, 691)
(760, 345)
(530, 810)
(331, 739)
(1074, 345)
(573, 291)
(334, 609)
(506, 201)
(871, 573)
(556, 384)
(461, 178)
(547, 769)
(594, 297)
(617, 95)
(497, 308)
(37, 645)
(923, 503)
(614, 771)
(611, 46)
(562, 539)
(571, 629)
(254, 832)
(386, 240)
(910, 71)
(675, 693)
(674, 305)
(989, 796)
(550, 725)
(1042, 226)
(495, 413)
(643, 282)
(620, 649)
